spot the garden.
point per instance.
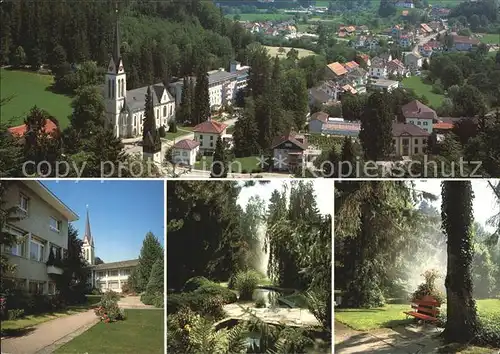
(257, 279)
(396, 297)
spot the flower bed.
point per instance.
(108, 309)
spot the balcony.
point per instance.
(52, 269)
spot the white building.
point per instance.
(207, 134)
(125, 108)
(105, 276)
(184, 152)
(42, 230)
(384, 85)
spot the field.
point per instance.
(141, 332)
(273, 51)
(261, 17)
(489, 38)
(415, 83)
(391, 315)
(28, 89)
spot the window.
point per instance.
(52, 288)
(416, 141)
(211, 137)
(36, 251)
(113, 273)
(126, 272)
(406, 141)
(100, 274)
(164, 111)
(416, 150)
(23, 203)
(211, 144)
(36, 287)
(55, 224)
(418, 122)
(113, 285)
(425, 123)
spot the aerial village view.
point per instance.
(250, 88)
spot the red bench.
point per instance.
(426, 309)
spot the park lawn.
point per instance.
(33, 320)
(28, 89)
(248, 164)
(392, 315)
(273, 51)
(180, 132)
(141, 332)
(415, 83)
(489, 38)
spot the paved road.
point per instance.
(426, 39)
(46, 337)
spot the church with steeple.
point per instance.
(125, 108)
(105, 276)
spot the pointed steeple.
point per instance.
(116, 45)
(88, 234)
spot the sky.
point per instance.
(322, 187)
(121, 213)
(484, 205)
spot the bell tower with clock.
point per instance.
(116, 86)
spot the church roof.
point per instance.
(136, 98)
(88, 233)
(117, 43)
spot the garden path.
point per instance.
(399, 340)
(133, 302)
(48, 336)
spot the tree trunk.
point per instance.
(461, 323)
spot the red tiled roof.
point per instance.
(351, 65)
(400, 129)
(210, 127)
(443, 126)
(337, 68)
(20, 130)
(416, 109)
(291, 137)
(465, 40)
(186, 144)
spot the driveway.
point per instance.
(133, 302)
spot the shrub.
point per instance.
(162, 132)
(15, 314)
(428, 288)
(159, 301)
(147, 298)
(108, 309)
(260, 303)
(93, 299)
(246, 283)
(96, 291)
(204, 304)
(212, 289)
(194, 283)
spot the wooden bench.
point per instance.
(426, 309)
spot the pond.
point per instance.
(282, 298)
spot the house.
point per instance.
(408, 139)
(336, 71)
(358, 78)
(49, 127)
(363, 58)
(41, 231)
(413, 60)
(384, 85)
(407, 4)
(419, 114)
(425, 29)
(328, 92)
(207, 134)
(405, 41)
(396, 67)
(425, 51)
(463, 43)
(378, 69)
(184, 152)
(289, 151)
(316, 122)
(349, 66)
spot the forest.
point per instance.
(393, 245)
(258, 272)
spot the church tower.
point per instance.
(115, 90)
(88, 243)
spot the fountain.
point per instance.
(262, 251)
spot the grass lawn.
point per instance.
(247, 164)
(261, 17)
(415, 83)
(392, 315)
(33, 320)
(273, 51)
(180, 132)
(141, 332)
(28, 89)
(489, 38)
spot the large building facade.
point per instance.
(41, 230)
(105, 276)
(125, 108)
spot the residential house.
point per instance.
(405, 41)
(396, 67)
(359, 79)
(409, 140)
(463, 43)
(424, 51)
(436, 25)
(41, 231)
(384, 85)
(419, 114)
(49, 127)
(328, 92)
(336, 71)
(349, 66)
(425, 29)
(207, 134)
(413, 60)
(316, 122)
(378, 69)
(359, 42)
(184, 152)
(364, 58)
(289, 151)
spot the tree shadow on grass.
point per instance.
(398, 324)
(18, 332)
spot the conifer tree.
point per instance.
(201, 112)
(150, 252)
(219, 167)
(185, 110)
(156, 278)
(150, 136)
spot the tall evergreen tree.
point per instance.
(219, 168)
(246, 132)
(376, 127)
(150, 135)
(185, 109)
(151, 251)
(156, 279)
(201, 111)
